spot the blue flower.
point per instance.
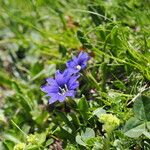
(63, 85)
(78, 63)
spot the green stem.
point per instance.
(19, 128)
(103, 76)
(107, 141)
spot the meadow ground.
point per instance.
(110, 110)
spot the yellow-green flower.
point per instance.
(32, 139)
(110, 121)
(19, 146)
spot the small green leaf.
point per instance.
(83, 107)
(64, 118)
(88, 134)
(26, 128)
(148, 125)
(75, 119)
(91, 141)
(41, 138)
(99, 111)
(32, 147)
(131, 123)
(36, 68)
(141, 107)
(85, 137)
(8, 144)
(11, 137)
(65, 135)
(147, 134)
(39, 116)
(136, 132)
(79, 140)
(49, 142)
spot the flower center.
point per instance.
(63, 90)
(78, 67)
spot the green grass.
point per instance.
(37, 37)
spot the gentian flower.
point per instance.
(63, 85)
(78, 63)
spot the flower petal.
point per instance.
(75, 60)
(70, 93)
(59, 78)
(61, 98)
(51, 81)
(83, 65)
(52, 94)
(73, 86)
(49, 89)
(71, 64)
(73, 83)
(83, 56)
(81, 60)
(52, 100)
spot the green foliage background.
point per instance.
(37, 37)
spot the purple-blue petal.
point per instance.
(51, 81)
(75, 60)
(74, 86)
(52, 100)
(74, 70)
(67, 73)
(61, 98)
(62, 77)
(59, 78)
(73, 83)
(83, 56)
(83, 65)
(81, 60)
(71, 64)
(49, 89)
(52, 94)
(73, 80)
(70, 93)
